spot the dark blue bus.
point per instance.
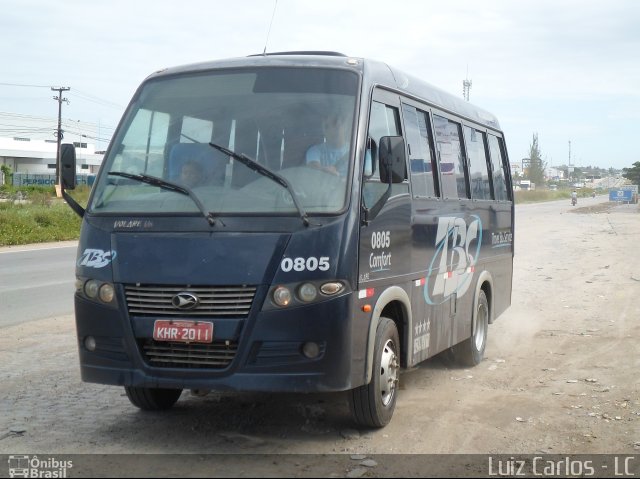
(291, 222)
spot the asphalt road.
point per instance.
(36, 282)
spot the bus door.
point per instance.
(385, 233)
(385, 237)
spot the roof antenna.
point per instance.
(269, 32)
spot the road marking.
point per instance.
(65, 282)
(36, 248)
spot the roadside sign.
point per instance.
(619, 194)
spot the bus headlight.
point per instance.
(91, 288)
(307, 292)
(282, 296)
(292, 295)
(96, 290)
(106, 293)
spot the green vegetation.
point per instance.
(633, 174)
(35, 215)
(6, 173)
(535, 172)
(532, 196)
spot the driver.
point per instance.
(192, 174)
(331, 155)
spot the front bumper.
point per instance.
(266, 350)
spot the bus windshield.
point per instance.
(295, 122)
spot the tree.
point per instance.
(537, 167)
(6, 173)
(633, 174)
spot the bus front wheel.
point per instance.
(372, 404)
(152, 399)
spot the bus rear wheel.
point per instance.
(372, 404)
(152, 399)
(471, 351)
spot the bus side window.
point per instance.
(449, 148)
(500, 189)
(478, 168)
(420, 158)
(384, 121)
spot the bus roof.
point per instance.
(374, 73)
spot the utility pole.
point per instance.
(58, 133)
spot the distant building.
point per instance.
(552, 173)
(28, 144)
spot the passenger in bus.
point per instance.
(332, 154)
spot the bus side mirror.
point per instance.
(68, 166)
(393, 162)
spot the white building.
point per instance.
(28, 144)
(552, 173)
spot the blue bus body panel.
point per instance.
(436, 251)
(264, 346)
(198, 258)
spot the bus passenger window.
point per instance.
(500, 189)
(449, 148)
(417, 136)
(478, 172)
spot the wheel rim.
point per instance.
(481, 326)
(389, 369)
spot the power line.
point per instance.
(81, 94)
(24, 85)
(95, 99)
(22, 116)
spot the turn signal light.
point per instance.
(331, 288)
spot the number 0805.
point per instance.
(305, 264)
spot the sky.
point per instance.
(568, 71)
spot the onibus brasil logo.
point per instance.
(32, 466)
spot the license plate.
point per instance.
(183, 331)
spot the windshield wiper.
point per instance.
(167, 185)
(257, 167)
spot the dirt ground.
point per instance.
(561, 375)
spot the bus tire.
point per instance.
(152, 399)
(471, 351)
(372, 404)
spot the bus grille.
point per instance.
(226, 301)
(217, 355)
